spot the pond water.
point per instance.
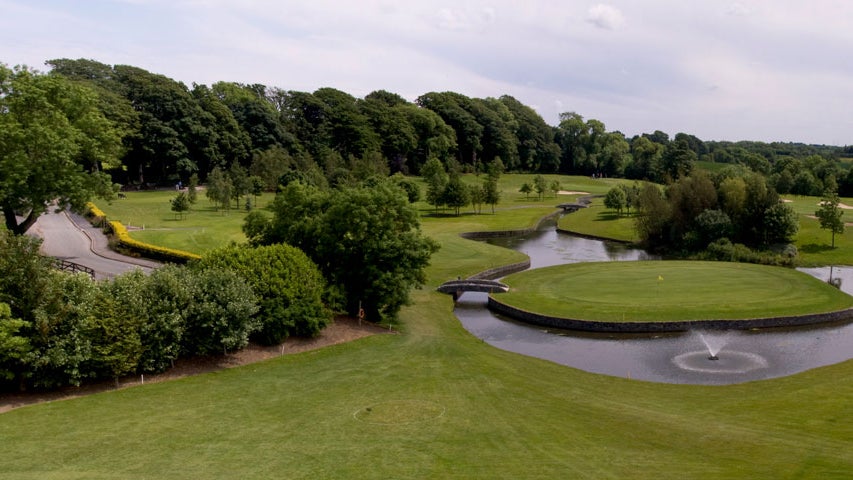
(671, 358)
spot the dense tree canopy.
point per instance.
(696, 211)
(329, 137)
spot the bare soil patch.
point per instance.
(343, 329)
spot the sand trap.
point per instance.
(840, 205)
(785, 200)
(571, 192)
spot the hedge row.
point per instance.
(148, 250)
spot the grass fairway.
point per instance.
(149, 217)
(665, 291)
(443, 405)
(599, 221)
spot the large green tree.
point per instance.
(366, 241)
(53, 141)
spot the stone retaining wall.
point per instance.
(503, 271)
(506, 233)
(651, 327)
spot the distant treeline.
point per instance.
(171, 131)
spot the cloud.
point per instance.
(738, 10)
(606, 17)
(462, 20)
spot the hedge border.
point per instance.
(143, 249)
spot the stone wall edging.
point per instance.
(502, 271)
(506, 233)
(656, 327)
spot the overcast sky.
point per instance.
(721, 70)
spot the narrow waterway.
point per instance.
(672, 358)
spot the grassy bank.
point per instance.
(443, 404)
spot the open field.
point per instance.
(442, 404)
(664, 291)
(149, 218)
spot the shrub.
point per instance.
(221, 314)
(289, 284)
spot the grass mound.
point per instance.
(670, 291)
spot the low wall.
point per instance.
(651, 327)
(502, 271)
(506, 233)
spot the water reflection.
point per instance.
(658, 358)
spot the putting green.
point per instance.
(665, 291)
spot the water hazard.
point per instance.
(671, 358)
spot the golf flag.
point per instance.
(660, 278)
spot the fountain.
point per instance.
(732, 362)
(713, 342)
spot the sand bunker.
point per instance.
(571, 192)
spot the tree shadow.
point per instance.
(607, 216)
(817, 248)
(610, 215)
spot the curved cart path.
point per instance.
(71, 237)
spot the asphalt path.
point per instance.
(71, 237)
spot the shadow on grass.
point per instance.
(446, 214)
(610, 215)
(817, 248)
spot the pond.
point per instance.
(671, 358)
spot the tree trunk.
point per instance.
(12, 221)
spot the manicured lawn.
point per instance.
(443, 405)
(814, 243)
(660, 291)
(149, 218)
(598, 221)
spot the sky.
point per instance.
(765, 70)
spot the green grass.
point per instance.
(664, 291)
(711, 166)
(462, 408)
(149, 218)
(815, 244)
(598, 221)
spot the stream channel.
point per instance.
(679, 357)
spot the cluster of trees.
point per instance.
(736, 206)
(366, 241)
(446, 189)
(60, 329)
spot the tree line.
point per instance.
(170, 131)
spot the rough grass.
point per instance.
(504, 415)
(663, 291)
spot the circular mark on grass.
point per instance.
(399, 412)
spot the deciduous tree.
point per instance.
(829, 214)
(53, 140)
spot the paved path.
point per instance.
(71, 237)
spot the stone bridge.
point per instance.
(458, 287)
